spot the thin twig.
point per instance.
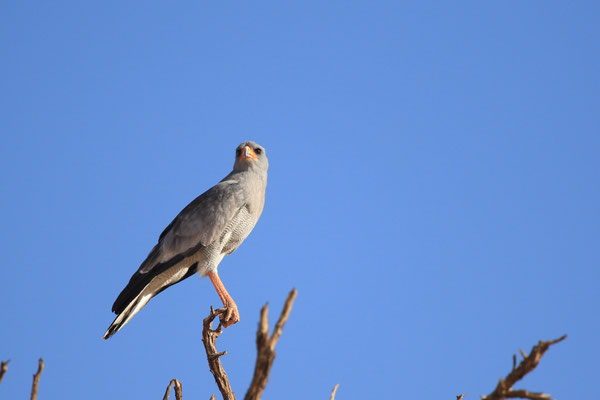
(529, 363)
(36, 379)
(265, 347)
(335, 388)
(213, 397)
(209, 338)
(3, 368)
(460, 396)
(166, 396)
(178, 391)
(285, 313)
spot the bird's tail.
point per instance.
(132, 308)
(141, 288)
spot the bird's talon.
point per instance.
(231, 316)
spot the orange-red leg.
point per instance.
(232, 315)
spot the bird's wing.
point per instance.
(198, 224)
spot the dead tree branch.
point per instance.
(265, 347)
(524, 394)
(504, 389)
(178, 391)
(209, 338)
(3, 368)
(36, 379)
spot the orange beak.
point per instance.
(247, 152)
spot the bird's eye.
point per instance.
(258, 150)
(238, 152)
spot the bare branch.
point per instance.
(529, 363)
(213, 397)
(209, 338)
(524, 394)
(335, 388)
(265, 347)
(3, 368)
(178, 390)
(36, 379)
(265, 352)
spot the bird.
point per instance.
(212, 226)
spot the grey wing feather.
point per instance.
(200, 223)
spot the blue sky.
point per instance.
(433, 192)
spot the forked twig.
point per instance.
(504, 388)
(178, 390)
(265, 347)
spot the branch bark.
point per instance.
(265, 347)
(529, 363)
(36, 379)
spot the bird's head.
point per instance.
(249, 155)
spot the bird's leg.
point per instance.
(231, 315)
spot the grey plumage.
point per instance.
(210, 227)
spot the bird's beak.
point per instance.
(247, 152)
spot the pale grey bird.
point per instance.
(209, 228)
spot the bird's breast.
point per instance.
(237, 230)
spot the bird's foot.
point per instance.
(230, 316)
